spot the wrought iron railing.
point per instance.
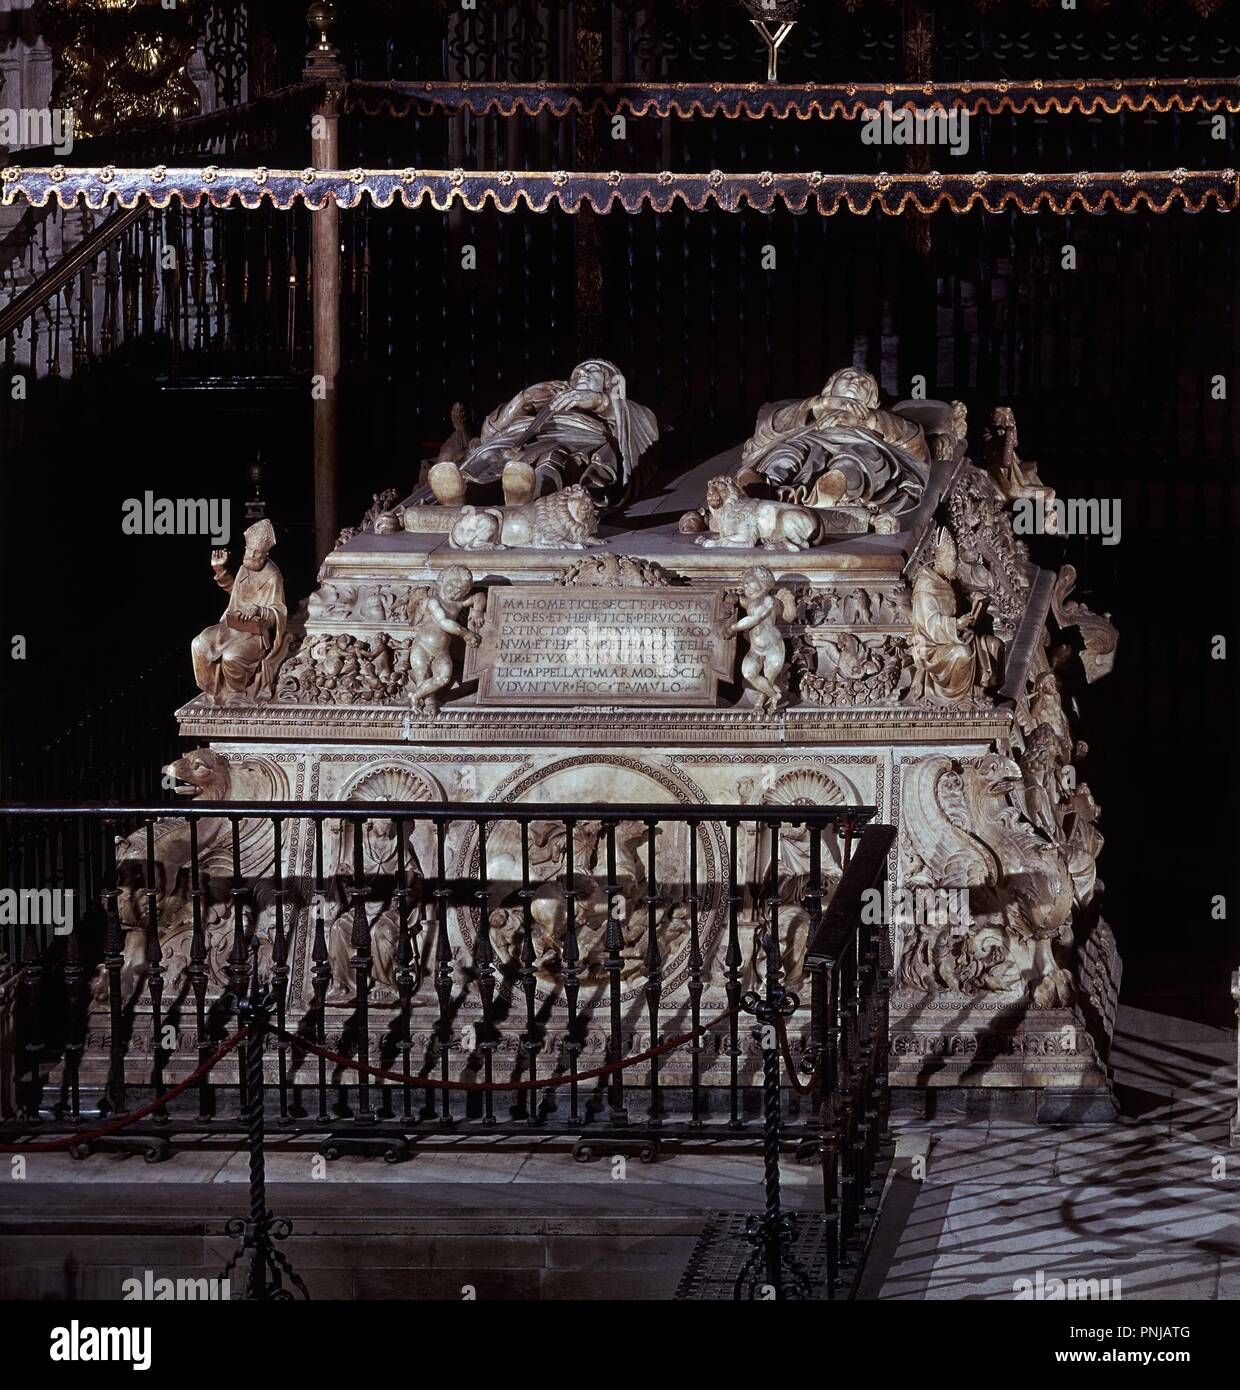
(510, 933)
(657, 960)
(162, 286)
(586, 961)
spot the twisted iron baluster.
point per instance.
(696, 983)
(32, 992)
(614, 964)
(113, 948)
(260, 1229)
(572, 970)
(198, 973)
(443, 969)
(321, 971)
(886, 972)
(732, 961)
(154, 972)
(485, 961)
(530, 1045)
(360, 962)
(654, 968)
(772, 1234)
(76, 1039)
(280, 967)
(237, 958)
(404, 971)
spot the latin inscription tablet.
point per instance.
(546, 645)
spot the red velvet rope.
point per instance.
(560, 1079)
(801, 1090)
(399, 1078)
(44, 1146)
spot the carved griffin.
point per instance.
(961, 830)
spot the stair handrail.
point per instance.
(34, 296)
(171, 138)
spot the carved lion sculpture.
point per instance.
(212, 778)
(738, 520)
(205, 771)
(961, 830)
(566, 520)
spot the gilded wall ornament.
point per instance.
(123, 64)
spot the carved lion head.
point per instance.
(201, 773)
(578, 507)
(721, 491)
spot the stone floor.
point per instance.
(1153, 1200)
(503, 1222)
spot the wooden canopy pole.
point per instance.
(323, 64)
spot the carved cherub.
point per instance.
(430, 658)
(375, 658)
(764, 607)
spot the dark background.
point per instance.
(1107, 366)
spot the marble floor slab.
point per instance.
(1152, 1202)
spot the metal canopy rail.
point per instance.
(804, 100)
(506, 190)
